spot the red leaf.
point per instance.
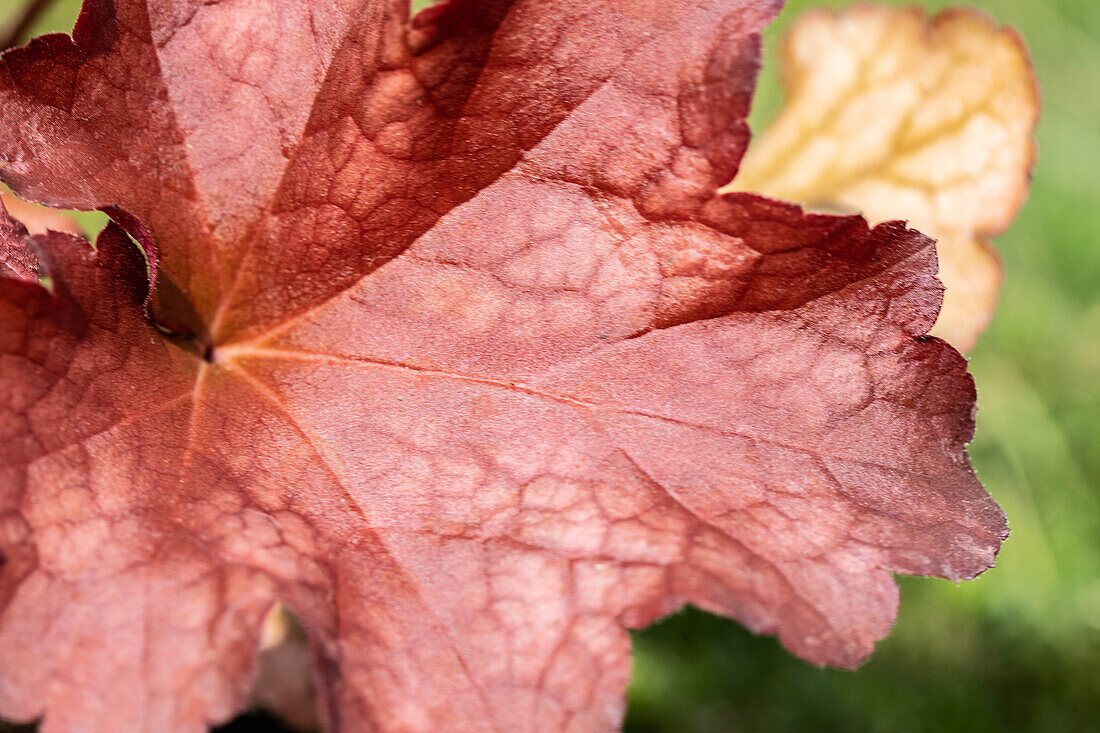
(17, 259)
(469, 365)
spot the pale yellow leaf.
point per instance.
(896, 115)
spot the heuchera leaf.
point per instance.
(455, 350)
(17, 258)
(894, 114)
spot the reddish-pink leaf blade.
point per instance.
(484, 371)
(401, 126)
(17, 260)
(121, 115)
(114, 617)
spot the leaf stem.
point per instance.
(19, 28)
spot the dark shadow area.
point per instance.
(18, 728)
(255, 722)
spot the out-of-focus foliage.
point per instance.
(1019, 648)
(898, 114)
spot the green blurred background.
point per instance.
(1019, 648)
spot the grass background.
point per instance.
(1019, 648)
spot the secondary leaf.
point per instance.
(283, 683)
(455, 350)
(39, 219)
(896, 115)
(17, 259)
